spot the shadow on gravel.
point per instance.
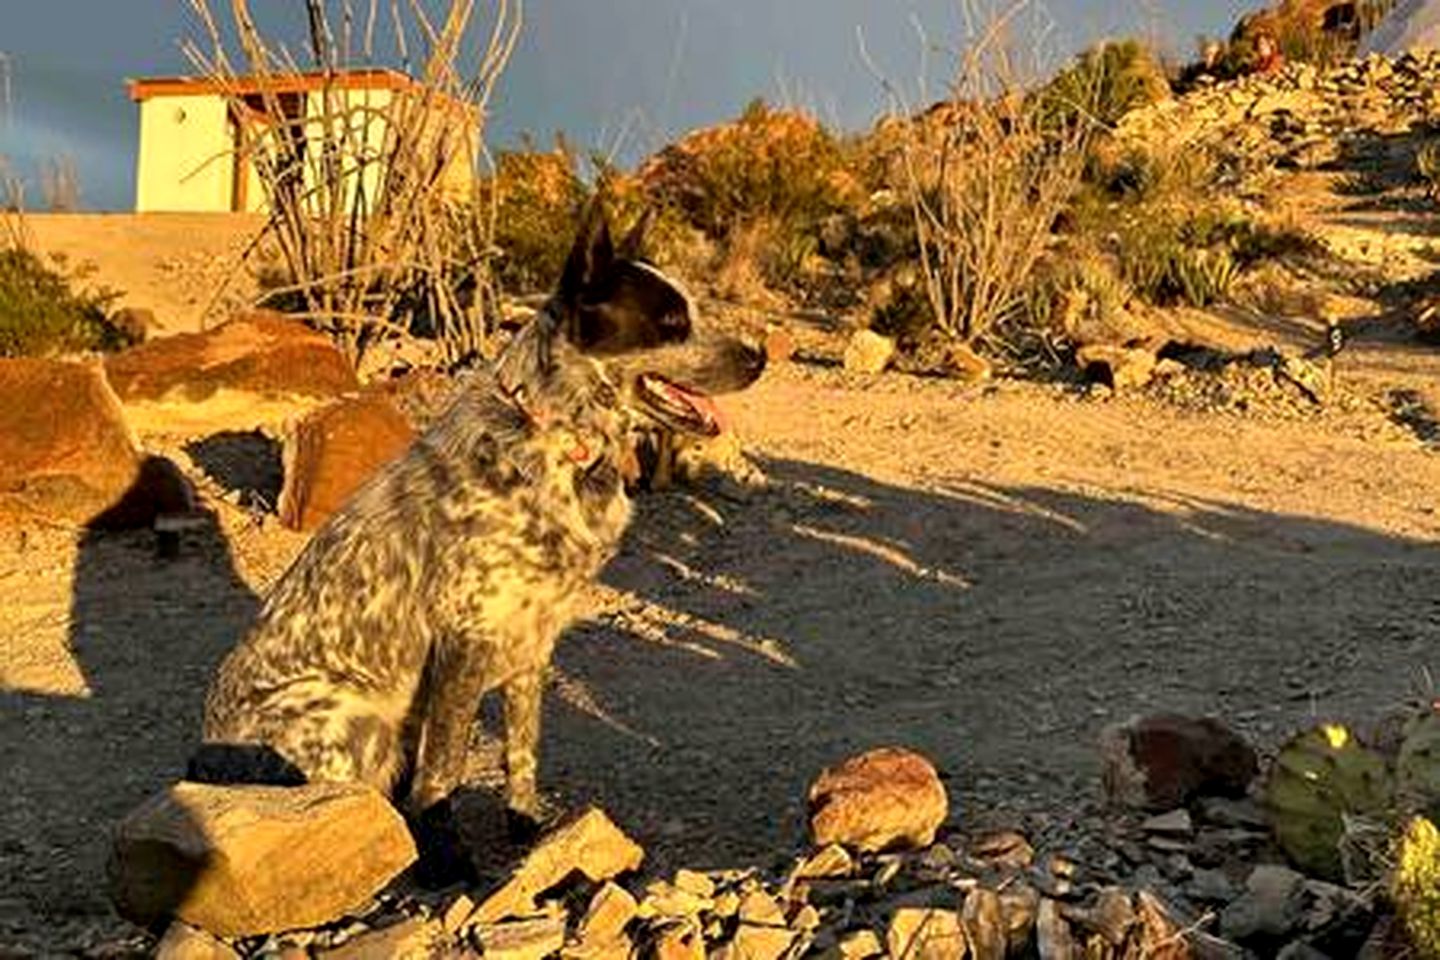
(146, 635)
(996, 629)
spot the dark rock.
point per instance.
(1163, 761)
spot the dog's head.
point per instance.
(619, 309)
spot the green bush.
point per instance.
(767, 165)
(1103, 84)
(41, 313)
(538, 195)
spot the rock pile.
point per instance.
(1301, 117)
(892, 877)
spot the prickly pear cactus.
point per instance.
(1320, 778)
(1415, 887)
(1417, 768)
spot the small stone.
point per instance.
(1229, 812)
(726, 904)
(921, 933)
(1159, 936)
(752, 942)
(969, 365)
(1052, 933)
(983, 919)
(415, 937)
(666, 900)
(807, 918)
(1111, 917)
(184, 942)
(1118, 367)
(521, 939)
(832, 861)
(457, 914)
(759, 908)
(859, 945)
(679, 941)
(779, 346)
(883, 798)
(868, 352)
(1005, 850)
(610, 912)
(1020, 904)
(1211, 886)
(692, 881)
(1270, 909)
(1300, 950)
(588, 843)
(1176, 823)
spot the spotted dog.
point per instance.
(452, 571)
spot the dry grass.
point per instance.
(361, 196)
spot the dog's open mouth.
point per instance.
(680, 406)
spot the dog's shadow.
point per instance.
(119, 714)
(746, 645)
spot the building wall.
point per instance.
(187, 151)
(185, 161)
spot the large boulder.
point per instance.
(249, 372)
(1165, 760)
(67, 454)
(333, 451)
(888, 797)
(244, 860)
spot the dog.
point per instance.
(452, 571)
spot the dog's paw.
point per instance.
(444, 859)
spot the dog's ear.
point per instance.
(634, 242)
(591, 256)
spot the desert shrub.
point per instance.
(45, 309)
(1303, 30)
(985, 175)
(1103, 84)
(536, 195)
(768, 164)
(375, 230)
(770, 174)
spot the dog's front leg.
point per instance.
(523, 697)
(454, 684)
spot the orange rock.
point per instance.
(68, 456)
(884, 798)
(333, 451)
(261, 352)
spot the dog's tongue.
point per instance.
(701, 404)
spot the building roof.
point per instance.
(145, 88)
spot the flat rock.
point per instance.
(248, 372)
(68, 455)
(588, 843)
(1162, 761)
(756, 942)
(884, 798)
(334, 450)
(1271, 908)
(246, 860)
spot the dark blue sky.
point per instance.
(613, 74)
